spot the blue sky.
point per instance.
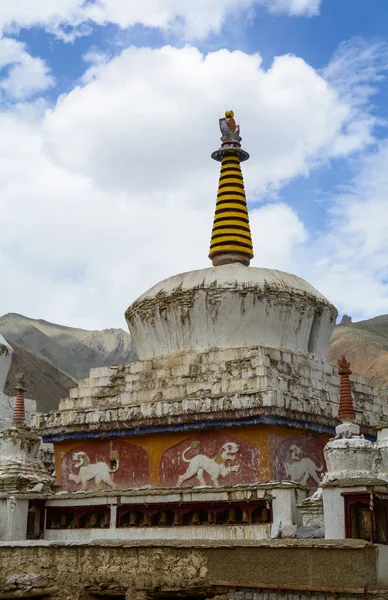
(106, 182)
(315, 39)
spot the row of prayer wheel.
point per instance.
(74, 521)
(164, 518)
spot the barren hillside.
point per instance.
(73, 351)
(44, 383)
(365, 345)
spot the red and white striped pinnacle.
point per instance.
(346, 411)
(19, 410)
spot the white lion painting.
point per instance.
(98, 472)
(301, 469)
(215, 467)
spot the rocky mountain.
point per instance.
(44, 383)
(365, 345)
(73, 351)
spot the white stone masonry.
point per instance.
(237, 381)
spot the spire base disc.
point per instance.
(218, 154)
(228, 258)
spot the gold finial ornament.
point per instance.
(231, 235)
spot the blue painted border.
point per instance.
(245, 421)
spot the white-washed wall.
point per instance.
(239, 379)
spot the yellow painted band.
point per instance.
(228, 239)
(218, 219)
(231, 190)
(231, 173)
(229, 223)
(230, 162)
(245, 234)
(231, 197)
(228, 195)
(231, 248)
(230, 167)
(231, 179)
(228, 172)
(232, 206)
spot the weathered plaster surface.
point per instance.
(349, 457)
(334, 513)
(299, 458)
(228, 307)
(242, 466)
(199, 494)
(131, 468)
(217, 384)
(13, 518)
(20, 465)
(380, 463)
(311, 510)
(205, 532)
(284, 508)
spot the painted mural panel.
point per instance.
(299, 458)
(210, 458)
(104, 465)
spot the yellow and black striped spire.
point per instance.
(231, 236)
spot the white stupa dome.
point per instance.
(231, 306)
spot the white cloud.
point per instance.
(289, 115)
(26, 75)
(355, 72)
(277, 232)
(113, 188)
(354, 270)
(297, 8)
(192, 19)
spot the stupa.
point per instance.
(232, 366)
(212, 439)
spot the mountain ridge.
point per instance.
(365, 345)
(44, 383)
(71, 352)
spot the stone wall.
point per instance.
(74, 571)
(218, 384)
(276, 594)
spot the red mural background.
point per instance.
(208, 444)
(299, 458)
(132, 464)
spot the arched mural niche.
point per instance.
(299, 458)
(104, 465)
(210, 458)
